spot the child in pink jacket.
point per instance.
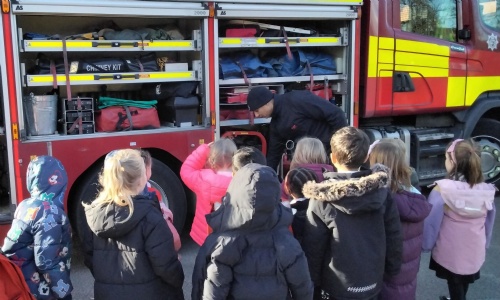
(207, 172)
(459, 227)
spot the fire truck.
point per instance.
(424, 71)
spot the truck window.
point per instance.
(490, 12)
(436, 18)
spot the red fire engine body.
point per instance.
(422, 71)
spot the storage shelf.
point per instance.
(279, 42)
(109, 45)
(281, 79)
(244, 122)
(111, 78)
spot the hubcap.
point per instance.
(490, 157)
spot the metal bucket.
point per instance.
(40, 114)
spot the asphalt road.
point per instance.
(429, 287)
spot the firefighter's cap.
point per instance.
(258, 97)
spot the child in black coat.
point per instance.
(294, 182)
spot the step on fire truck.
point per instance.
(419, 70)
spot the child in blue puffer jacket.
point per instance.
(39, 241)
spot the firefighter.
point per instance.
(294, 114)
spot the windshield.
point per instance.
(490, 12)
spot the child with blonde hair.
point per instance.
(413, 208)
(154, 194)
(459, 227)
(132, 255)
(310, 154)
(207, 172)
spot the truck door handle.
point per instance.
(402, 82)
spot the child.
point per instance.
(155, 194)
(39, 241)
(309, 153)
(133, 253)
(245, 156)
(352, 234)
(251, 254)
(207, 172)
(459, 227)
(294, 182)
(414, 176)
(413, 209)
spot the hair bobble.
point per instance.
(372, 146)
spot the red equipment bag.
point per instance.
(12, 283)
(322, 90)
(119, 118)
(242, 31)
(235, 114)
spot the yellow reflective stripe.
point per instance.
(426, 48)
(58, 44)
(107, 44)
(171, 75)
(456, 91)
(422, 60)
(384, 70)
(126, 76)
(372, 56)
(476, 85)
(425, 72)
(262, 41)
(385, 56)
(386, 43)
(62, 78)
(179, 44)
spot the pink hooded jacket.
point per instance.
(459, 228)
(208, 185)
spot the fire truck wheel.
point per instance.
(487, 135)
(171, 191)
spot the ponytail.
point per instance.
(466, 162)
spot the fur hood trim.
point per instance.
(335, 189)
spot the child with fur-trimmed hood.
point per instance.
(352, 234)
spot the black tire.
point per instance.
(487, 135)
(171, 190)
(162, 178)
(86, 193)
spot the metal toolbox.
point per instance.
(87, 127)
(72, 110)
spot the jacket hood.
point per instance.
(412, 207)
(112, 221)
(357, 192)
(252, 202)
(466, 201)
(46, 180)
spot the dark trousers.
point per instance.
(457, 290)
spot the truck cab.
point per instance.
(427, 72)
